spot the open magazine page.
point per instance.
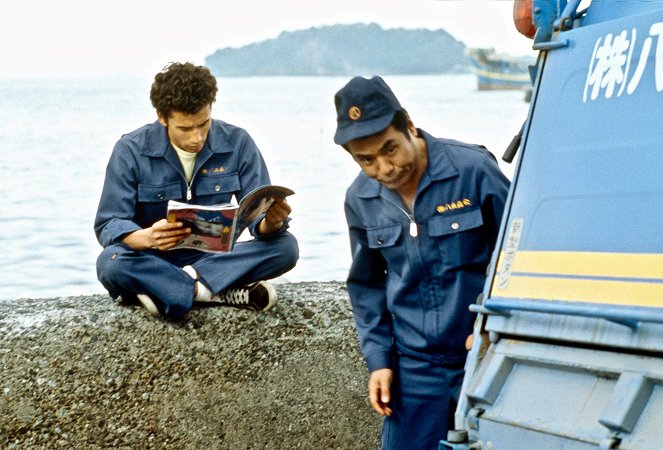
(215, 228)
(257, 202)
(212, 227)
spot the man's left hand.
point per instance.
(277, 213)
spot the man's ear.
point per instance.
(411, 128)
(162, 119)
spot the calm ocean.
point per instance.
(56, 137)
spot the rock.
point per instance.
(90, 372)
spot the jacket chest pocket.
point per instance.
(461, 238)
(153, 201)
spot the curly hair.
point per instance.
(183, 87)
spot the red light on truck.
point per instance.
(522, 17)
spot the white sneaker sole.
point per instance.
(149, 305)
(273, 296)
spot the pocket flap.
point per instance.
(384, 236)
(218, 184)
(150, 193)
(450, 224)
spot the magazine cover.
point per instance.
(215, 228)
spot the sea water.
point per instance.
(56, 137)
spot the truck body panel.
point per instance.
(573, 303)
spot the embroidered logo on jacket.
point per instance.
(213, 170)
(457, 204)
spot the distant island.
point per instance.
(345, 50)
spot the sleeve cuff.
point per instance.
(253, 229)
(378, 360)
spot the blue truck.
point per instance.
(568, 342)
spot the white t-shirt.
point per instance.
(187, 159)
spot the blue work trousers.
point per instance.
(123, 271)
(424, 396)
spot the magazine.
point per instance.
(215, 228)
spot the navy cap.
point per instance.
(363, 108)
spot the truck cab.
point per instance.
(568, 342)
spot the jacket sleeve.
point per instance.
(253, 173)
(367, 288)
(117, 204)
(494, 188)
(251, 166)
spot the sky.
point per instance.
(97, 38)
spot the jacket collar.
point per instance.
(440, 163)
(440, 167)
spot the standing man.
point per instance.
(423, 217)
(187, 156)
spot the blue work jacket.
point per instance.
(410, 288)
(144, 172)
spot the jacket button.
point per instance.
(380, 240)
(160, 196)
(454, 226)
(217, 188)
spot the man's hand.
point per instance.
(469, 342)
(379, 390)
(160, 236)
(485, 342)
(277, 213)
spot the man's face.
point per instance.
(188, 131)
(388, 157)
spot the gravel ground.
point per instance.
(93, 373)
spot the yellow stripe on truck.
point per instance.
(590, 277)
(582, 290)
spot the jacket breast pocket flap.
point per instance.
(161, 193)
(218, 184)
(384, 236)
(450, 224)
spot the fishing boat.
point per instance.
(499, 72)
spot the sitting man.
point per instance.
(186, 156)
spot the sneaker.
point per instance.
(258, 296)
(148, 304)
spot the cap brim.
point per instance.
(358, 130)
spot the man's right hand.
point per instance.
(379, 390)
(160, 236)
